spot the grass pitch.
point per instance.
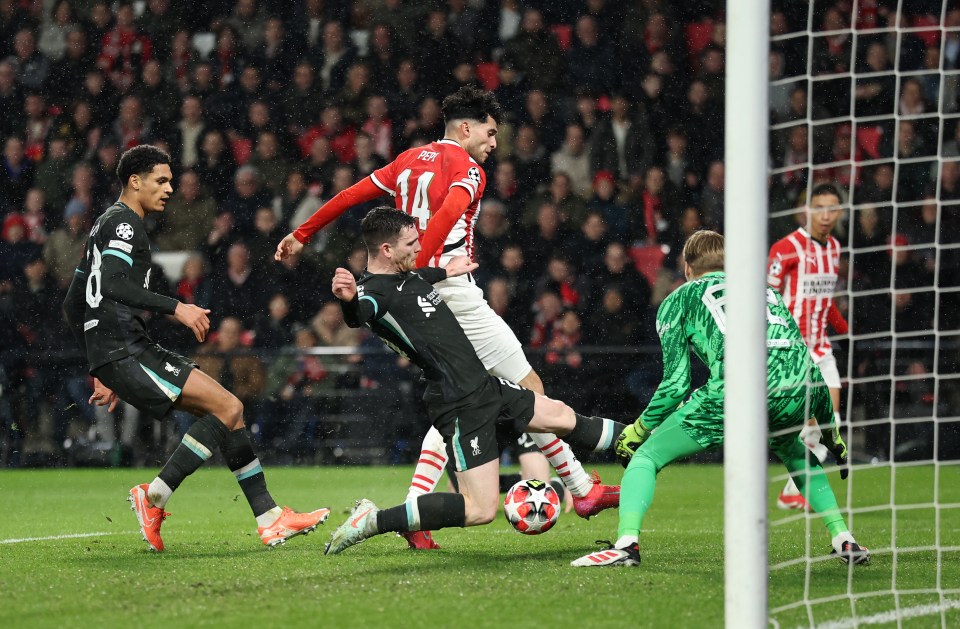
(215, 571)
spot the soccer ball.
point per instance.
(531, 507)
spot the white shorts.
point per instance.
(829, 371)
(493, 340)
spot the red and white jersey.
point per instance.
(805, 273)
(419, 180)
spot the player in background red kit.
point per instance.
(440, 185)
(802, 266)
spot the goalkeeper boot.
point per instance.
(792, 501)
(851, 552)
(360, 524)
(149, 517)
(628, 556)
(599, 498)
(290, 524)
(420, 540)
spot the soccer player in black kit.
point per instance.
(463, 402)
(104, 307)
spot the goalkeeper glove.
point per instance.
(838, 449)
(629, 440)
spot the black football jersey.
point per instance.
(407, 313)
(108, 294)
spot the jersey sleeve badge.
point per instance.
(125, 231)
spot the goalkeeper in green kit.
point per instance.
(693, 316)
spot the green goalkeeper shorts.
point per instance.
(701, 416)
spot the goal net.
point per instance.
(864, 95)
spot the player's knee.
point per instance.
(232, 413)
(480, 512)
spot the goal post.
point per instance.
(745, 362)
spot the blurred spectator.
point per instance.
(330, 328)
(11, 99)
(302, 100)
(618, 270)
(296, 277)
(36, 126)
(352, 97)
(51, 176)
(563, 341)
(34, 216)
(383, 55)
(273, 329)
(656, 221)
(15, 251)
(623, 143)
(612, 323)
(237, 290)
(505, 189)
(18, 173)
(333, 56)
(189, 132)
(158, 97)
(544, 239)
(367, 160)
(39, 300)
(124, 50)
(588, 245)
(878, 186)
(547, 309)
(604, 201)
(437, 52)
(31, 65)
(224, 359)
(561, 277)
(275, 55)
(53, 33)
(711, 197)
(703, 123)
(547, 126)
(270, 162)
(405, 95)
(160, 21)
(188, 216)
(379, 126)
(515, 314)
(875, 94)
(267, 232)
(193, 286)
(247, 196)
(491, 236)
(295, 193)
(64, 248)
(572, 208)
(530, 159)
(512, 89)
(591, 61)
(102, 98)
(515, 272)
(573, 158)
(132, 127)
(536, 52)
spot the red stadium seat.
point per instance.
(564, 35)
(241, 149)
(489, 75)
(868, 139)
(648, 261)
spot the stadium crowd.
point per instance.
(609, 157)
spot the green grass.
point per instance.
(215, 572)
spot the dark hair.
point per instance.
(826, 188)
(383, 224)
(139, 160)
(471, 103)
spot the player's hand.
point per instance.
(344, 285)
(838, 448)
(629, 440)
(289, 246)
(461, 265)
(102, 396)
(195, 318)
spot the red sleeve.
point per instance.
(454, 205)
(363, 190)
(779, 264)
(836, 320)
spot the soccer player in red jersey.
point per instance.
(802, 266)
(440, 185)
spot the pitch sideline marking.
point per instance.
(892, 616)
(20, 540)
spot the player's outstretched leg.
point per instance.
(475, 505)
(812, 481)
(430, 466)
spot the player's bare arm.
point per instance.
(461, 265)
(344, 285)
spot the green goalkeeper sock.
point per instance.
(636, 494)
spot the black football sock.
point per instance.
(201, 439)
(594, 433)
(424, 513)
(507, 481)
(243, 462)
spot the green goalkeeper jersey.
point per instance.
(694, 317)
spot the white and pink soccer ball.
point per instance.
(531, 507)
